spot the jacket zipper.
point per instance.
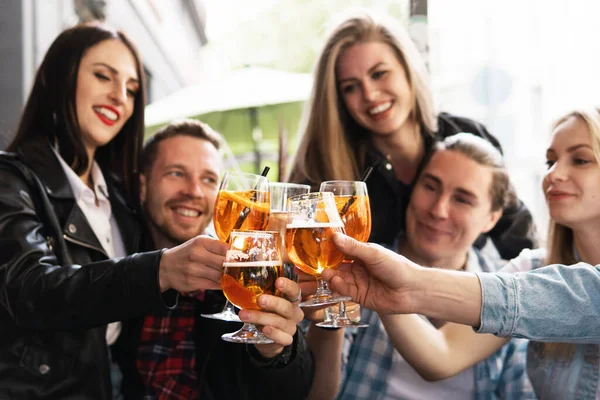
(77, 242)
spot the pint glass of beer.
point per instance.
(312, 220)
(252, 265)
(352, 202)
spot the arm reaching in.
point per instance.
(556, 303)
(391, 284)
(438, 353)
(326, 346)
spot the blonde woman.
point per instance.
(555, 306)
(372, 106)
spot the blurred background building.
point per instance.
(169, 36)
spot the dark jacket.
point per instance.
(226, 371)
(53, 314)
(389, 198)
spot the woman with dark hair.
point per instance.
(68, 219)
(371, 105)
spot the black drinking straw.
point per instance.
(363, 178)
(244, 214)
(366, 174)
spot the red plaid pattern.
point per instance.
(166, 357)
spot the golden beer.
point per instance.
(277, 223)
(229, 206)
(357, 217)
(311, 248)
(243, 282)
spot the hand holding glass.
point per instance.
(242, 204)
(252, 265)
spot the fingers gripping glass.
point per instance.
(312, 220)
(252, 265)
(352, 202)
(243, 204)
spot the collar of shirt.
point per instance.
(79, 188)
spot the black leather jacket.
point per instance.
(53, 314)
(389, 198)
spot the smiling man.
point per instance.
(175, 210)
(459, 194)
(178, 354)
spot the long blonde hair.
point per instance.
(560, 237)
(333, 144)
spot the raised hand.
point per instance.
(193, 265)
(379, 279)
(278, 318)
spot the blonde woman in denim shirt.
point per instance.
(555, 306)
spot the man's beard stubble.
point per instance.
(168, 236)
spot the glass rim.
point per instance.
(255, 233)
(310, 196)
(290, 185)
(343, 182)
(246, 174)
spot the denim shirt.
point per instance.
(554, 304)
(367, 359)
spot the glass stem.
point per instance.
(228, 307)
(342, 314)
(322, 288)
(248, 328)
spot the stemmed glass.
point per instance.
(312, 220)
(280, 192)
(252, 265)
(352, 202)
(242, 204)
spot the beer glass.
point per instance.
(242, 204)
(252, 265)
(312, 220)
(280, 192)
(352, 202)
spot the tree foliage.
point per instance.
(288, 35)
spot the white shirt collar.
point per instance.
(77, 185)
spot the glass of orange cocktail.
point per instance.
(242, 204)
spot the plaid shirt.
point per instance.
(166, 357)
(368, 352)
